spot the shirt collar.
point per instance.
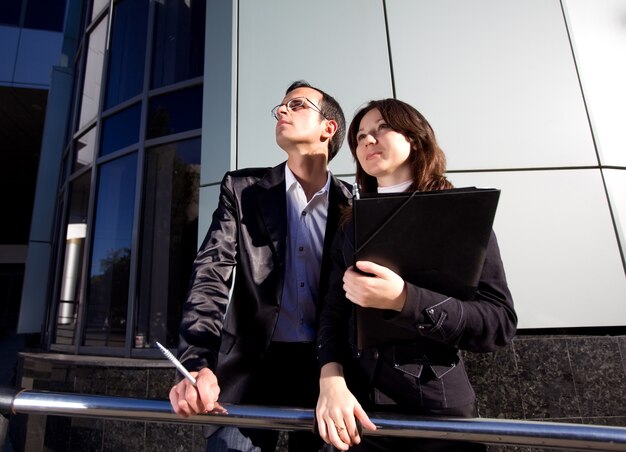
(291, 181)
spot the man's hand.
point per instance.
(188, 400)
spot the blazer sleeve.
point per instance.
(333, 335)
(483, 324)
(212, 272)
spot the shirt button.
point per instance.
(301, 284)
(300, 248)
(431, 311)
(303, 213)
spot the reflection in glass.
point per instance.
(85, 148)
(178, 41)
(98, 5)
(128, 50)
(93, 74)
(120, 130)
(10, 12)
(169, 238)
(69, 297)
(45, 14)
(107, 298)
(175, 112)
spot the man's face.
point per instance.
(303, 125)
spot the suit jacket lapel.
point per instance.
(273, 211)
(273, 208)
(338, 197)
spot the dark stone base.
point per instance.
(579, 379)
(576, 379)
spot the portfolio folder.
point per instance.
(436, 240)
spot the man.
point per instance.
(273, 226)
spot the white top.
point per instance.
(402, 186)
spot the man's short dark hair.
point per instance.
(331, 110)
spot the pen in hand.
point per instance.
(177, 363)
(218, 409)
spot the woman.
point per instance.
(395, 151)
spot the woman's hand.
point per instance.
(337, 410)
(384, 289)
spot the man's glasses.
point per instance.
(295, 104)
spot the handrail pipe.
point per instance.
(483, 430)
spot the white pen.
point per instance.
(178, 365)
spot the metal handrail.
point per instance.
(491, 431)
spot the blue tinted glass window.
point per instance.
(45, 14)
(175, 112)
(98, 6)
(169, 238)
(71, 283)
(92, 83)
(85, 150)
(120, 130)
(127, 51)
(109, 275)
(10, 12)
(178, 41)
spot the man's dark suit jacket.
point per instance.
(248, 235)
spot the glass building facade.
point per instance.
(128, 198)
(30, 44)
(33, 14)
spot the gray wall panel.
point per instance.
(219, 120)
(339, 46)
(559, 247)
(496, 78)
(498, 81)
(616, 186)
(598, 31)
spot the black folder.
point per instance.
(436, 240)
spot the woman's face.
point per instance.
(382, 152)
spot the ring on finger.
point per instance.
(339, 429)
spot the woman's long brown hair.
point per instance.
(428, 162)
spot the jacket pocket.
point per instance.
(424, 385)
